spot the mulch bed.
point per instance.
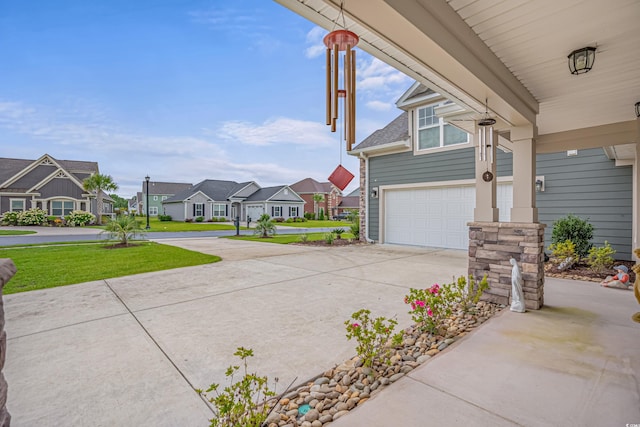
(336, 242)
(581, 271)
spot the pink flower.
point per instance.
(420, 303)
(434, 289)
(429, 312)
(413, 306)
(355, 325)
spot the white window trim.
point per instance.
(415, 134)
(155, 198)
(275, 210)
(196, 209)
(153, 211)
(52, 201)
(24, 204)
(215, 211)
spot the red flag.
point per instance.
(341, 177)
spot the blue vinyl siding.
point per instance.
(588, 185)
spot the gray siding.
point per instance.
(246, 192)
(291, 196)
(176, 210)
(60, 187)
(405, 168)
(590, 186)
(34, 177)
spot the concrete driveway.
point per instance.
(130, 351)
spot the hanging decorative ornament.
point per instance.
(338, 41)
(485, 136)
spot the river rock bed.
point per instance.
(350, 384)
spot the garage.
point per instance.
(436, 216)
(254, 211)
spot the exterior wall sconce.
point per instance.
(638, 109)
(581, 60)
(374, 193)
(539, 184)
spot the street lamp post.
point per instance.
(146, 178)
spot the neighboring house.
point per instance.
(49, 184)
(229, 199)
(350, 202)
(307, 187)
(158, 193)
(419, 182)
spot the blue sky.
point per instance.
(182, 90)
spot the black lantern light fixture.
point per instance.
(638, 109)
(581, 60)
(146, 178)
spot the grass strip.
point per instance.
(59, 265)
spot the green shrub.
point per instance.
(310, 215)
(576, 229)
(79, 218)
(199, 218)
(290, 220)
(245, 402)
(321, 215)
(278, 219)
(373, 336)
(562, 250)
(338, 232)
(10, 218)
(601, 259)
(303, 238)
(33, 216)
(355, 227)
(329, 238)
(164, 217)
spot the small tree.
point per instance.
(317, 199)
(265, 226)
(123, 229)
(100, 184)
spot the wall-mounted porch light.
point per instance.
(374, 193)
(638, 109)
(539, 184)
(581, 60)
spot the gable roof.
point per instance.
(355, 192)
(396, 131)
(351, 202)
(214, 189)
(12, 170)
(157, 187)
(310, 185)
(269, 193)
(415, 94)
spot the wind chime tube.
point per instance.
(347, 94)
(352, 93)
(336, 67)
(491, 142)
(328, 94)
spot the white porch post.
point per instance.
(485, 210)
(185, 210)
(635, 189)
(524, 175)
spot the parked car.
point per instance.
(342, 216)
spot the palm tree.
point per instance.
(317, 198)
(265, 226)
(123, 229)
(100, 184)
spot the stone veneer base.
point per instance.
(493, 244)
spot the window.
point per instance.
(198, 209)
(155, 198)
(61, 207)
(219, 209)
(434, 133)
(276, 211)
(293, 211)
(164, 197)
(153, 211)
(17, 205)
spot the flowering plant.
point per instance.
(469, 291)
(373, 336)
(431, 306)
(79, 218)
(33, 216)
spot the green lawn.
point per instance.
(157, 225)
(51, 266)
(286, 238)
(317, 224)
(15, 232)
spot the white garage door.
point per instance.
(435, 216)
(254, 211)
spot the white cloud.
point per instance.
(281, 130)
(314, 40)
(380, 105)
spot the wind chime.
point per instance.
(485, 141)
(340, 55)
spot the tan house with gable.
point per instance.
(307, 187)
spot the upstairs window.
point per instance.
(432, 132)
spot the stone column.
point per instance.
(7, 270)
(524, 175)
(493, 244)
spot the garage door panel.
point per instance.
(436, 216)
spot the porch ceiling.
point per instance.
(513, 52)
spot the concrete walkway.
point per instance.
(130, 351)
